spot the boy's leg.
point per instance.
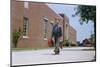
(57, 50)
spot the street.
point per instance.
(73, 54)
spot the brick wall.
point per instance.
(35, 13)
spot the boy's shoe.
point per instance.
(57, 52)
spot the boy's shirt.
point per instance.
(57, 31)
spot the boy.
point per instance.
(56, 33)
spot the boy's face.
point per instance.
(56, 21)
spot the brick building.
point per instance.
(35, 21)
(68, 31)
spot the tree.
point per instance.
(86, 13)
(15, 37)
(92, 38)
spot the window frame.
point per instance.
(25, 27)
(45, 30)
(26, 4)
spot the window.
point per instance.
(26, 4)
(45, 20)
(25, 26)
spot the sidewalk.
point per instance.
(74, 54)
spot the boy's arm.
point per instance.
(52, 33)
(60, 31)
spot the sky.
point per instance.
(83, 31)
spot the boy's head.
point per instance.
(57, 20)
